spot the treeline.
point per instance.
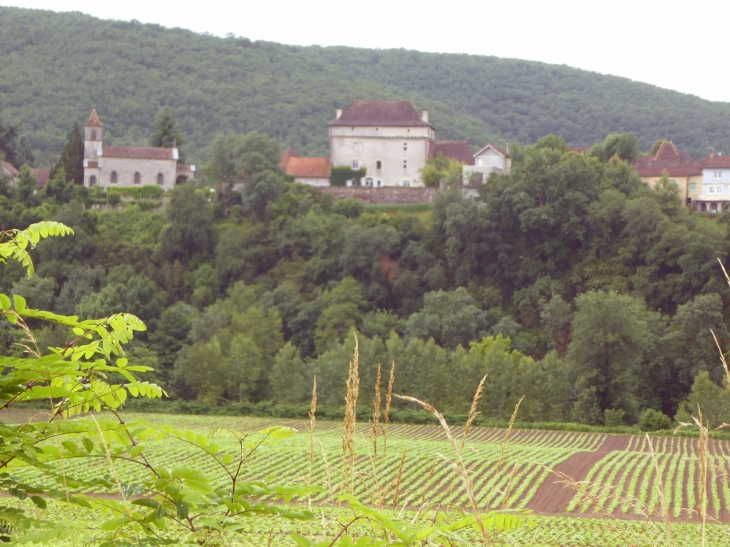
(567, 281)
(57, 66)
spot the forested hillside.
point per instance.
(57, 66)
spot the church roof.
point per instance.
(137, 152)
(458, 150)
(94, 120)
(318, 168)
(382, 113)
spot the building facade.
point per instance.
(312, 171)
(387, 138)
(128, 165)
(683, 172)
(489, 159)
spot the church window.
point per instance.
(93, 134)
(355, 164)
(92, 180)
(114, 177)
(378, 164)
(137, 178)
(160, 179)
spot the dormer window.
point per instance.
(137, 178)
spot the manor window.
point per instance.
(137, 178)
(92, 180)
(405, 164)
(160, 179)
(355, 164)
(378, 164)
(405, 146)
(114, 177)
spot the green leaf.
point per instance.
(38, 501)
(182, 509)
(226, 459)
(88, 444)
(19, 303)
(146, 502)
(4, 302)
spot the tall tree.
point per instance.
(166, 134)
(72, 157)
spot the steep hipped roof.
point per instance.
(383, 113)
(309, 167)
(677, 164)
(286, 156)
(94, 120)
(12, 171)
(501, 151)
(458, 150)
(137, 152)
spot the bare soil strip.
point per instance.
(552, 497)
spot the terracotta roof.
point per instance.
(383, 113)
(667, 151)
(579, 149)
(137, 152)
(9, 168)
(94, 120)
(458, 150)
(499, 150)
(677, 164)
(715, 161)
(309, 167)
(288, 154)
(42, 176)
(184, 168)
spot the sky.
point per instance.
(671, 44)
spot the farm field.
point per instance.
(409, 475)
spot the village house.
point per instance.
(683, 171)
(8, 170)
(312, 171)
(488, 159)
(129, 165)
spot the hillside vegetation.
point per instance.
(57, 66)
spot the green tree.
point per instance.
(441, 169)
(711, 398)
(190, 232)
(288, 379)
(26, 186)
(72, 157)
(166, 134)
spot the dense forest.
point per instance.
(567, 281)
(57, 66)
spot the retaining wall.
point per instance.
(387, 195)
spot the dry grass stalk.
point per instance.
(509, 484)
(702, 447)
(312, 412)
(398, 478)
(348, 433)
(662, 496)
(508, 434)
(458, 466)
(376, 413)
(473, 410)
(388, 400)
(327, 468)
(722, 358)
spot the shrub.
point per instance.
(351, 208)
(340, 175)
(613, 418)
(654, 420)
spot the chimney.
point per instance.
(508, 149)
(424, 116)
(338, 114)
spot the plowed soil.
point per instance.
(552, 497)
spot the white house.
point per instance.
(489, 159)
(715, 194)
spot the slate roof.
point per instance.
(677, 164)
(309, 167)
(381, 113)
(94, 120)
(137, 152)
(458, 150)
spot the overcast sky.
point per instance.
(672, 44)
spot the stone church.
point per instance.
(107, 166)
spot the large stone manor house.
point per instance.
(108, 166)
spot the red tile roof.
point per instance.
(579, 149)
(94, 120)
(716, 161)
(309, 167)
(137, 152)
(499, 150)
(42, 176)
(458, 150)
(677, 164)
(9, 168)
(286, 156)
(383, 113)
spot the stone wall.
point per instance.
(382, 196)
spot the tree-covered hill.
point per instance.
(56, 66)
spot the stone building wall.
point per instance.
(382, 196)
(127, 167)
